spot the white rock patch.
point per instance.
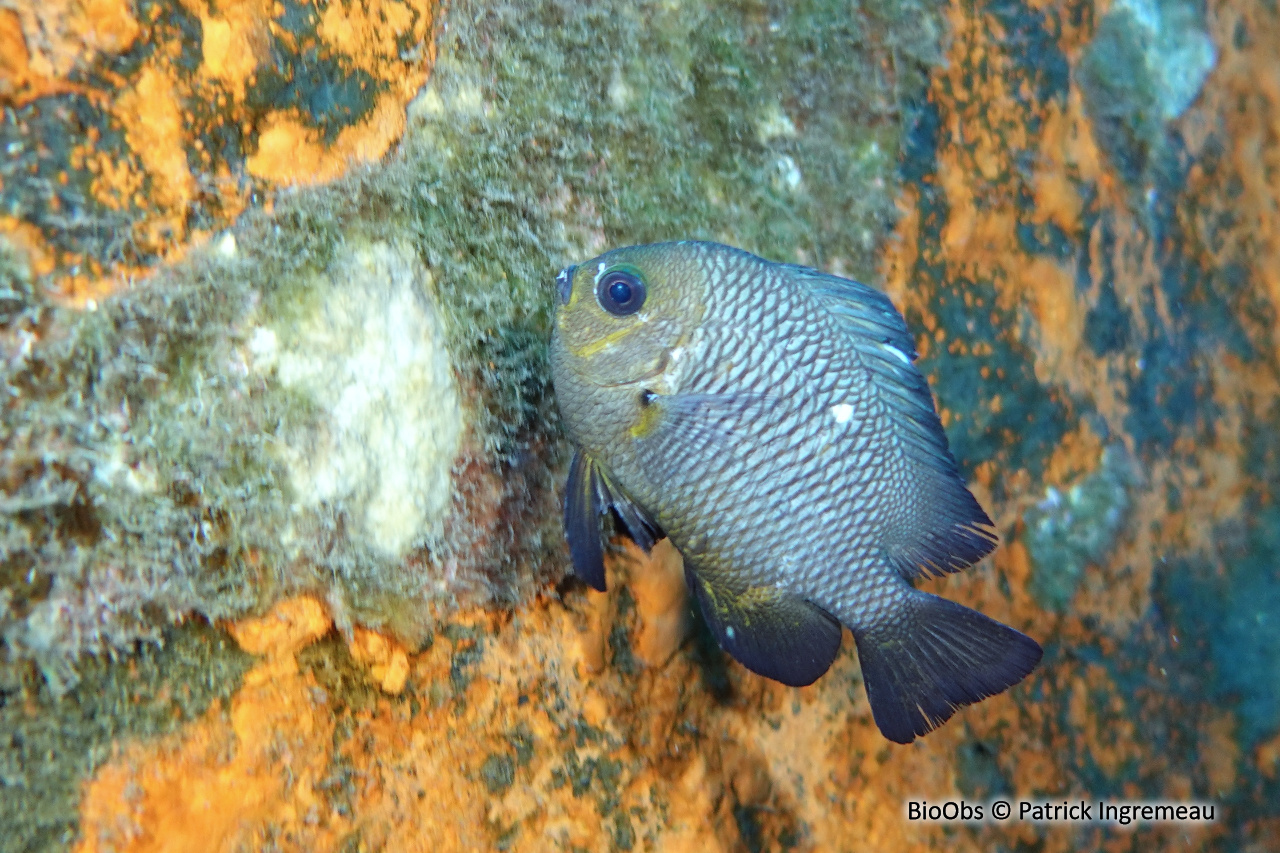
(370, 354)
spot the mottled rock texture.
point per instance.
(1090, 267)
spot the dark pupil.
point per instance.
(620, 292)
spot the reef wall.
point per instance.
(280, 561)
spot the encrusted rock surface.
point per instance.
(1090, 268)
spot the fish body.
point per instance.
(769, 420)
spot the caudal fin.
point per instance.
(935, 657)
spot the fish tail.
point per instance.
(930, 656)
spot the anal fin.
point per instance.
(932, 657)
(771, 632)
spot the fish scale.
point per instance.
(767, 418)
(810, 362)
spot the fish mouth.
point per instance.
(662, 366)
(625, 383)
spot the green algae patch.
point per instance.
(48, 747)
(349, 397)
(347, 683)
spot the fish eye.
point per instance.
(620, 292)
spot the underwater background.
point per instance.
(280, 553)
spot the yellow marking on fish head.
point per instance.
(621, 314)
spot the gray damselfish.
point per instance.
(769, 420)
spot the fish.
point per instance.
(770, 421)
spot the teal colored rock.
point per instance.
(1076, 526)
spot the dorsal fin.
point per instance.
(868, 312)
(949, 531)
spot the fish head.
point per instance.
(621, 316)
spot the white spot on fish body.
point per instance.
(729, 632)
(842, 412)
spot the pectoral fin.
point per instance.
(588, 497)
(771, 632)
